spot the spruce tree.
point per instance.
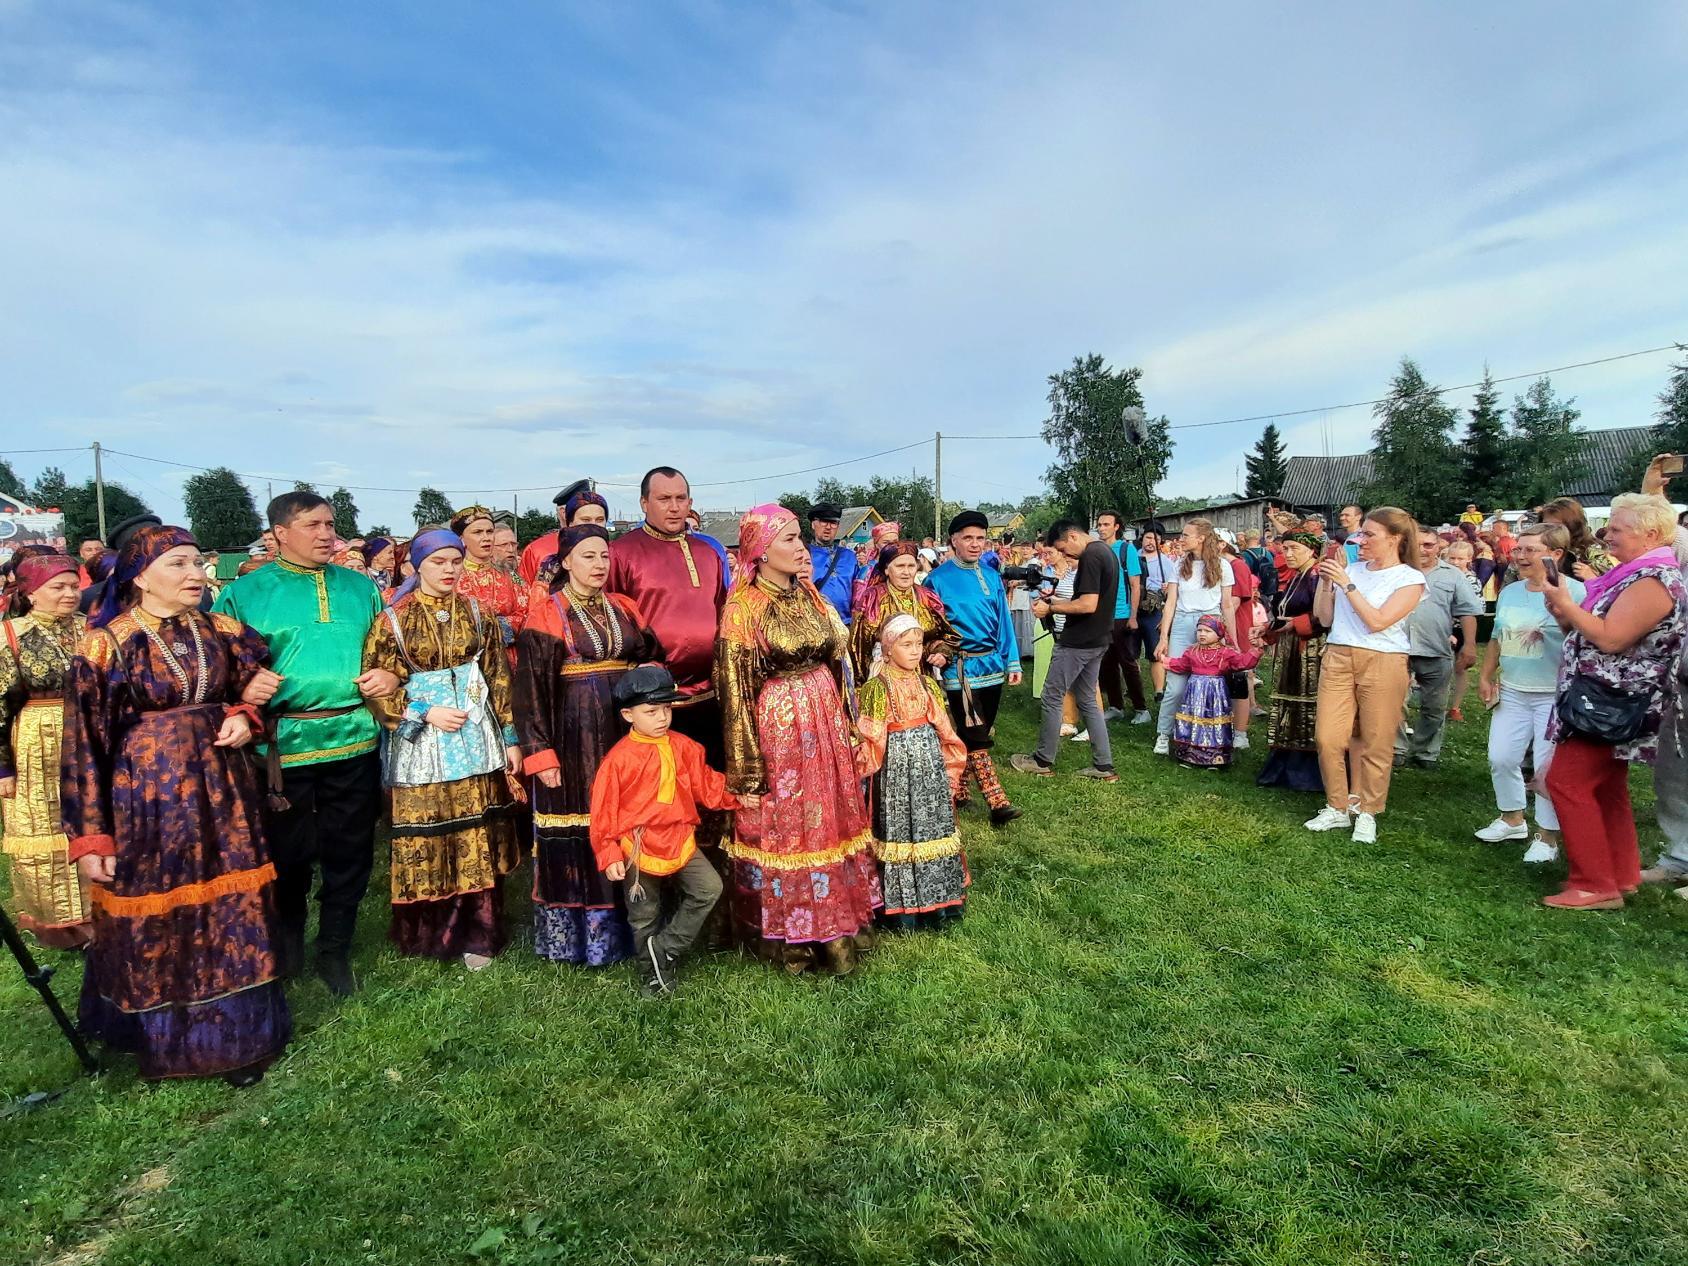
(1415, 464)
(1551, 456)
(1669, 433)
(1488, 476)
(1267, 464)
(345, 513)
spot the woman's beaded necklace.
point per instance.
(605, 638)
(192, 691)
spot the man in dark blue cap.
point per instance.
(835, 566)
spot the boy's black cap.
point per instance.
(648, 683)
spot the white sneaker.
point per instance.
(1329, 819)
(1365, 829)
(1142, 718)
(1163, 745)
(1540, 852)
(1500, 830)
(1083, 736)
(1067, 731)
(1353, 803)
(476, 962)
(1239, 743)
(1112, 714)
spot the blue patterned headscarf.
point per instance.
(145, 546)
(424, 544)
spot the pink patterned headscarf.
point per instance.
(757, 530)
(884, 533)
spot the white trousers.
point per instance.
(1518, 727)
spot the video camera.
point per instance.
(1028, 574)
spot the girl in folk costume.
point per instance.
(915, 759)
(499, 595)
(804, 880)
(892, 588)
(451, 744)
(164, 816)
(51, 898)
(1201, 734)
(578, 642)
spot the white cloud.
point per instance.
(886, 232)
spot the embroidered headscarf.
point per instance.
(1214, 623)
(585, 497)
(36, 571)
(28, 574)
(567, 540)
(757, 530)
(145, 546)
(885, 533)
(1309, 539)
(424, 544)
(896, 626)
(890, 554)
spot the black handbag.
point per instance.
(1600, 713)
(1236, 684)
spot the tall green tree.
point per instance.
(533, 524)
(432, 508)
(220, 509)
(1670, 430)
(81, 507)
(51, 488)
(1414, 462)
(299, 485)
(1551, 454)
(1487, 466)
(1097, 466)
(1267, 465)
(345, 513)
(10, 484)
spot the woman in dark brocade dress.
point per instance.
(163, 815)
(1297, 641)
(578, 642)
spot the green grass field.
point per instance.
(1174, 1027)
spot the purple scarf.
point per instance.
(1664, 556)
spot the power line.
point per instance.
(464, 492)
(1366, 404)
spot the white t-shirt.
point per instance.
(1195, 595)
(1347, 629)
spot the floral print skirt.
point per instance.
(803, 866)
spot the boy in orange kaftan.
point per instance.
(645, 802)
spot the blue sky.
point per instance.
(502, 246)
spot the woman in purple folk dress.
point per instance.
(163, 815)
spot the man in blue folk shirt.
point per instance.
(835, 565)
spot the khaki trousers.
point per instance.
(1362, 697)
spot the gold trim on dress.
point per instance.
(562, 821)
(919, 851)
(741, 852)
(598, 666)
(154, 903)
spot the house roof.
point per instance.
(855, 517)
(722, 525)
(1321, 481)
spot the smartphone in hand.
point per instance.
(1551, 569)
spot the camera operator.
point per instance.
(1080, 646)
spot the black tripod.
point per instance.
(41, 977)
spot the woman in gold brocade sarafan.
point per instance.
(804, 878)
(893, 589)
(452, 742)
(51, 897)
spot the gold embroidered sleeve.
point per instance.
(380, 650)
(738, 680)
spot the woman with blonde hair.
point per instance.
(1622, 642)
(1363, 677)
(1200, 585)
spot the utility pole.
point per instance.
(937, 485)
(99, 492)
